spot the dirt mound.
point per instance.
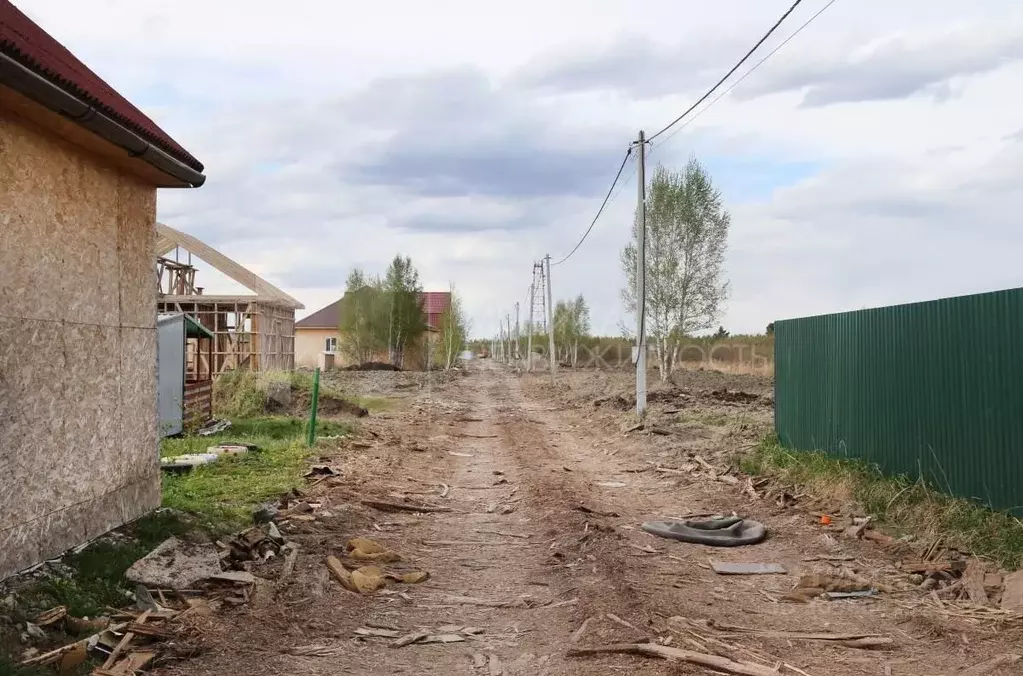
(616, 402)
(301, 400)
(372, 366)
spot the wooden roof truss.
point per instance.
(250, 331)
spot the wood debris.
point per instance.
(989, 666)
(51, 616)
(386, 506)
(736, 568)
(578, 634)
(722, 664)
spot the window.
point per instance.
(330, 344)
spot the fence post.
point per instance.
(315, 404)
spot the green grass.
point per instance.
(217, 498)
(222, 494)
(97, 579)
(903, 505)
(373, 404)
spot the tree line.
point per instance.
(384, 318)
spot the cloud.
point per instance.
(632, 65)
(859, 170)
(895, 68)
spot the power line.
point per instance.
(730, 72)
(601, 209)
(745, 75)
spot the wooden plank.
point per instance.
(973, 581)
(737, 568)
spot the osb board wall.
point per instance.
(78, 425)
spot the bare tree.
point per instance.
(687, 235)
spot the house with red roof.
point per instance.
(317, 337)
(79, 169)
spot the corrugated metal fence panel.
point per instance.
(933, 388)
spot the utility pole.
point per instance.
(641, 282)
(517, 334)
(508, 335)
(529, 341)
(550, 319)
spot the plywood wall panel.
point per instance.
(138, 403)
(136, 240)
(32, 384)
(27, 223)
(77, 388)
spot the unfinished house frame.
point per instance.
(255, 332)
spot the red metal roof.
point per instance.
(435, 302)
(24, 41)
(434, 305)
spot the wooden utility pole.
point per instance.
(550, 319)
(641, 282)
(508, 335)
(529, 341)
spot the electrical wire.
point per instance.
(744, 76)
(600, 210)
(730, 72)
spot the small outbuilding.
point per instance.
(184, 376)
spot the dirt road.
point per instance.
(541, 552)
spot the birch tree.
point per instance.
(403, 292)
(362, 312)
(571, 322)
(454, 331)
(687, 235)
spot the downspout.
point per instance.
(42, 91)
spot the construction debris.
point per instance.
(729, 568)
(385, 506)
(364, 549)
(446, 634)
(832, 586)
(848, 640)
(991, 665)
(723, 532)
(51, 616)
(722, 664)
(1012, 592)
(175, 564)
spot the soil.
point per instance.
(546, 495)
(327, 405)
(372, 366)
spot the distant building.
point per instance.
(79, 171)
(318, 333)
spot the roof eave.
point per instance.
(47, 94)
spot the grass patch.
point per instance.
(222, 494)
(246, 394)
(373, 404)
(902, 504)
(97, 572)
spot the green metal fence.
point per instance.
(932, 389)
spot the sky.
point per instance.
(875, 159)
